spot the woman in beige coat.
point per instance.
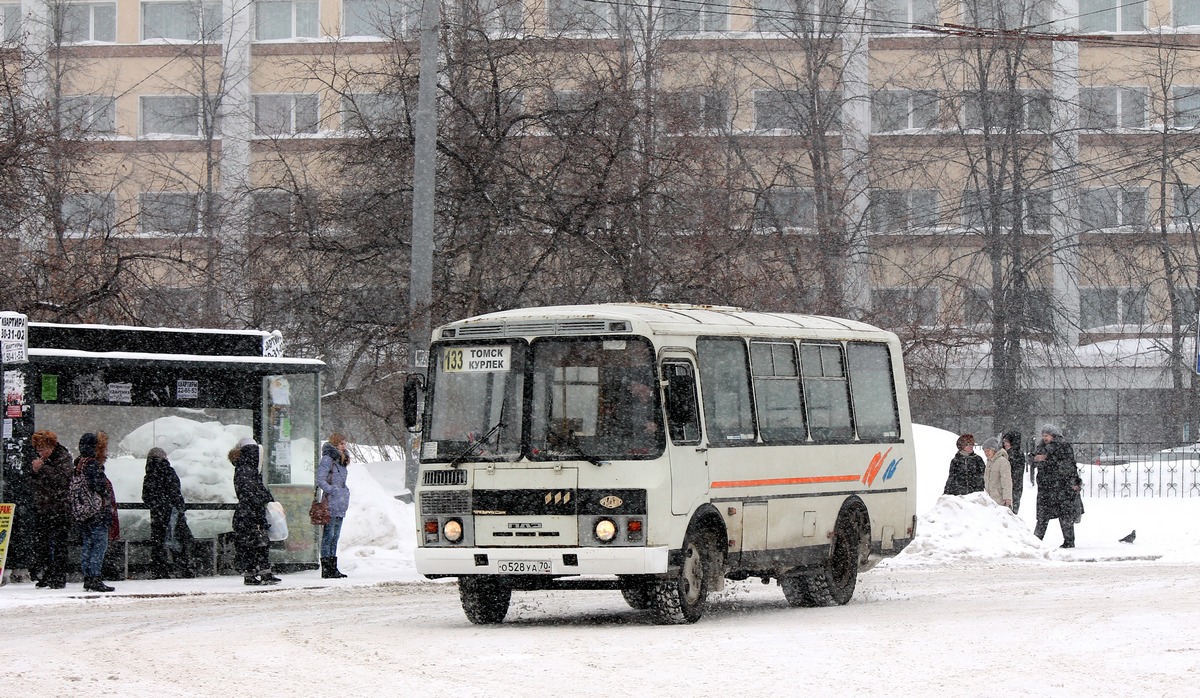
(997, 474)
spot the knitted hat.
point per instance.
(87, 445)
(1052, 430)
(992, 443)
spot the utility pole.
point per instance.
(420, 278)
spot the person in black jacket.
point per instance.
(52, 467)
(250, 516)
(163, 496)
(1011, 441)
(966, 468)
(1058, 485)
(94, 530)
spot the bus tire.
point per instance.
(834, 583)
(681, 599)
(484, 599)
(638, 594)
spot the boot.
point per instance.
(326, 571)
(252, 580)
(95, 584)
(269, 578)
(334, 572)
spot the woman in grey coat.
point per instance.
(331, 478)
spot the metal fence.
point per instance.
(1138, 470)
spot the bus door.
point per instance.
(687, 451)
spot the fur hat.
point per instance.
(1052, 430)
(246, 441)
(992, 442)
(87, 445)
(156, 453)
(966, 442)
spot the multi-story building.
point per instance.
(997, 173)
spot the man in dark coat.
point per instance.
(1011, 442)
(163, 496)
(1057, 481)
(966, 469)
(52, 467)
(250, 516)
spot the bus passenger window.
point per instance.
(777, 392)
(873, 389)
(826, 392)
(683, 415)
(725, 385)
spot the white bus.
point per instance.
(660, 449)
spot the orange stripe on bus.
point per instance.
(786, 481)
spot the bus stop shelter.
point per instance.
(193, 393)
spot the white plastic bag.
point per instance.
(276, 522)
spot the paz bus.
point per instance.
(659, 449)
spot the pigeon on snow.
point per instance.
(1129, 538)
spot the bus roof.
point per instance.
(655, 318)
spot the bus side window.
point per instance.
(683, 414)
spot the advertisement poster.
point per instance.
(6, 520)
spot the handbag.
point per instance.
(318, 513)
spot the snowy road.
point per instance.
(1060, 629)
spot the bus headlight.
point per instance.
(606, 530)
(453, 530)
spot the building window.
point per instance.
(87, 213)
(1099, 307)
(903, 209)
(372, 112)
(689, 112)
(77, 23)
(172, 307)
(1112, 107)
(1112, 207)
(581, 15)
(1187, 106)
(171, 116)
(1186, 205)
(894, 16)
(1111, 16)
(1036, 208)
(902, 110)
(285, 19)
(10, 22)
(381, 18)
(1007, 14)
(791, 110)
(168, 213)
(695, 16)
(275, 211)
(88, 115)
(1027, 110)
(904, 307)
(285, 115)
(496, 17)
(785, 209)
(796, 16)
(976, 306)
(1186, 13)
(182, 21)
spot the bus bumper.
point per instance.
(451, 562)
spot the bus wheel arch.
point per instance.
(833, 583)
(681, 598)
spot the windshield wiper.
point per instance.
(573, 442)
(474, 447)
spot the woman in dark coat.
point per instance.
(1011, 441)
(966, 468)
(1058, 485)
(250, 516)
(94, 531)
(163, 496)
(52, 468)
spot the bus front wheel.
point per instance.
(681, 599)
(484, 599)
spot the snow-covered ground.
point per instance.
(975, 606)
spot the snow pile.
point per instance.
(378, 533)
(969, 528)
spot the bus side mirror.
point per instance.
(681, 398)
(412, 397)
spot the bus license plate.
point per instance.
(523, 567)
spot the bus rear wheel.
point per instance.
(681, 599)
(485, 600)
(834, 583)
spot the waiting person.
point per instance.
(966, 469)
(331, 478)
(52, 467)
(1057, 481)
(997, 474)
(94, 528)
(250, 517)
(1011, 442)
(163, 496)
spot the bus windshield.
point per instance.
(594, 399)
(477, 402)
